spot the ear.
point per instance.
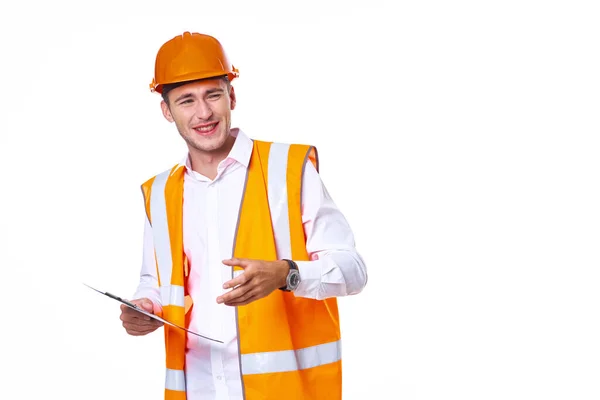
(232, 98)
(166, 111)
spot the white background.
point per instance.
(460, 139)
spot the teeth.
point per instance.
(206, 128)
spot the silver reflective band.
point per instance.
(160, 228)
(278, 198)
(175, 380)
(291, 360)
(172, 295)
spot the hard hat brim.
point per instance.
(157, 87)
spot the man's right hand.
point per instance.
(136, 323)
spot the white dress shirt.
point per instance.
(210, 213)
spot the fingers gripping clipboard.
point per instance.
(153, 316)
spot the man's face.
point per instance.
(202, 113)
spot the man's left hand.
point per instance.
(258, 280)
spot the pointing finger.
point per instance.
(239, 280)
(236, 262)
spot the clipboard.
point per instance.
(153, 316)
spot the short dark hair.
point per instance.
(170, 86)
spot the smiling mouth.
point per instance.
(206, 129)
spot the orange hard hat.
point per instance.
(188, 57)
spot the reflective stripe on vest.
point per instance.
(291, 360)
(278, 198)
(175, 380)
(160, 227)
(170, 294)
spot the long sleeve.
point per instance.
(336, 268)
(148, 285)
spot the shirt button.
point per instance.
(219, 377)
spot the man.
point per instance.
(242, 244)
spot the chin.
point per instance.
(209, 144)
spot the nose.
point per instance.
(203, 110)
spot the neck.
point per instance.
(206, 162)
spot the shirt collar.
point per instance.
(240, 151)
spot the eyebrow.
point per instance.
(184, 96)
(215, 90)
(208, 92)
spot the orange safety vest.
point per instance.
(289, 347)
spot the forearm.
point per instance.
(335, 268)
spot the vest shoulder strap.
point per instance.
(147, 189)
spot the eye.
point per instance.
(214, 96)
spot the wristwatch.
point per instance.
(293, 278)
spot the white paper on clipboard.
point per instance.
(153, 316)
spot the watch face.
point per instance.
(294, 280)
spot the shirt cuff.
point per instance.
(319, 279)
(150, 293)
